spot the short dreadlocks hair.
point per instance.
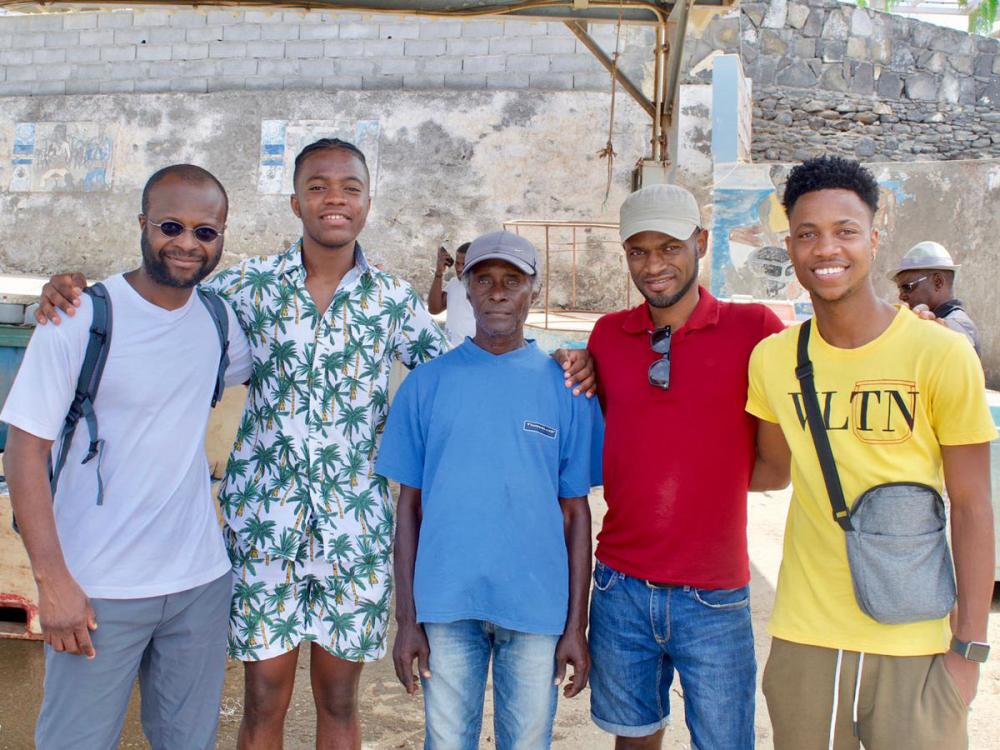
(830, 173)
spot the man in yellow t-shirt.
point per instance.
(902, 400)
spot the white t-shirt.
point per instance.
(460, 321)
(156, 532)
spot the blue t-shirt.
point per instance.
(492, 442)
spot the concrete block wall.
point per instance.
(195, 51)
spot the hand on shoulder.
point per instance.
(924, 313)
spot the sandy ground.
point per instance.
(391, 720)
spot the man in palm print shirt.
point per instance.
(309, 524)
(299, 491)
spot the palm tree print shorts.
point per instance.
(278, 603)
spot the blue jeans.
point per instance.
(639, 634)
(524, 694)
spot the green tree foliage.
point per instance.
(981, 20)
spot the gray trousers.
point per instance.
(176, 644)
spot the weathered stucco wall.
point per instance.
(447, 167)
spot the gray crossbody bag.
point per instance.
(897, 544)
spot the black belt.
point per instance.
(655, 585)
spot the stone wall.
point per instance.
(790, 126)
(832, 77)
(194, 51)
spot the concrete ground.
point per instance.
(393, 721)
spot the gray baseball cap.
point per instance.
(668, 209)
(506, 246)
(925, 256)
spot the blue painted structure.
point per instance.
(13, 342)
(726, 74)
(549, 340)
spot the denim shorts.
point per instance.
(641, 634)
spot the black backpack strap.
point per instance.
(804, 372)
(947, 308)
(217, 309)
(82, 407)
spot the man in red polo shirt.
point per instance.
(671, 582)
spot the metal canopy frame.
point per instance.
(669, 17)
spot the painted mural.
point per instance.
(749, 228)
(281, 141)
(61, 157)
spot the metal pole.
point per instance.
(574, 268)
(623, 80)
(674, 63)
(657, 91)
(547, 275)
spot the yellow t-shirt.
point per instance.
(889, 405)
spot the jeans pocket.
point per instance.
(722, 598)
(604, 577)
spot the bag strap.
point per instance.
(804, 373)
(947, 308)
(217, 310)
(94, 359)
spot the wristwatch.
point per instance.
(972, 650)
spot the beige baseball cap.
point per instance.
(669, 209)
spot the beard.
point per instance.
(669, 300)
(159, 271)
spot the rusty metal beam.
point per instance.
(677, 27)
(580, 32)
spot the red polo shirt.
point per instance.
(677, 463)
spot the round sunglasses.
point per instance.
(176, 229)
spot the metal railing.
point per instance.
(556, 245)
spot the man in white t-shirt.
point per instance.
(460, 321)
(133, 576)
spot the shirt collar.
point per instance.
(290, 261)
(705, 314)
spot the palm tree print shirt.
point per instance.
(304, 454)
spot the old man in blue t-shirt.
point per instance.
(495, 459)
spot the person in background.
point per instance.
(926, 276)
(451, 298)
